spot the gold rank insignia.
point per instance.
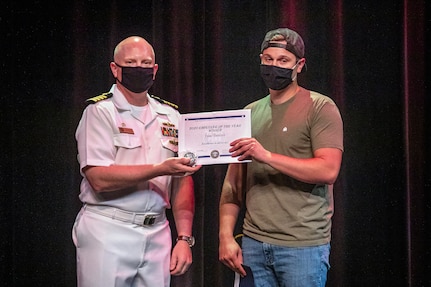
(98, 98)
(165, 102)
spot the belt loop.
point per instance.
(133, 217)
(114, 213)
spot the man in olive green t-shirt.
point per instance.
(296, 150)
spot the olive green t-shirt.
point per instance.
(279, 209)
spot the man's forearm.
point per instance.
(321, 169)
(183, 204)
(228, 217)
(117, 177)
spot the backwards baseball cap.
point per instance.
(294, 44)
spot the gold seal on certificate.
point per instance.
(209, 134)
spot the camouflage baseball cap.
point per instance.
(295, 44)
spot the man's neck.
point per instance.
(281, 96)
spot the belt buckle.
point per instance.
(149, 220)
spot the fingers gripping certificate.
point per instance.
(205, 137)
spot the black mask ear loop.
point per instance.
(293, 69)
(119, 65)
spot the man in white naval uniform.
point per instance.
(127, 144)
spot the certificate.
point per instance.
(205, 137)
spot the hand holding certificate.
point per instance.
(205, 137)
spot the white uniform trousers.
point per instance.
(112, 253)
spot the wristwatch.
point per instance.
(189, 239)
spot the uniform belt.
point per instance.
(142, 219)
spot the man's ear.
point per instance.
(114, 69)
(301, 65)
(155, 69)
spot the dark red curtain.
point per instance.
(369, 56)
(418, 250)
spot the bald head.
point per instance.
(133, 47)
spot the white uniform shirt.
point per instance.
(112, 132)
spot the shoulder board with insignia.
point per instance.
(165, 102)
(98, 98)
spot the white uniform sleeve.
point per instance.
(94, 137)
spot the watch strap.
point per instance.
(189, 239)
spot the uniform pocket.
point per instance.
(75, 228)
(127, 141)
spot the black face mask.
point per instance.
(276, 78)
(136, 79)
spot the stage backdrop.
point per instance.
(369, 56)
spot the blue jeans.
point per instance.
(281, 266)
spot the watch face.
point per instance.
(191, 241)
